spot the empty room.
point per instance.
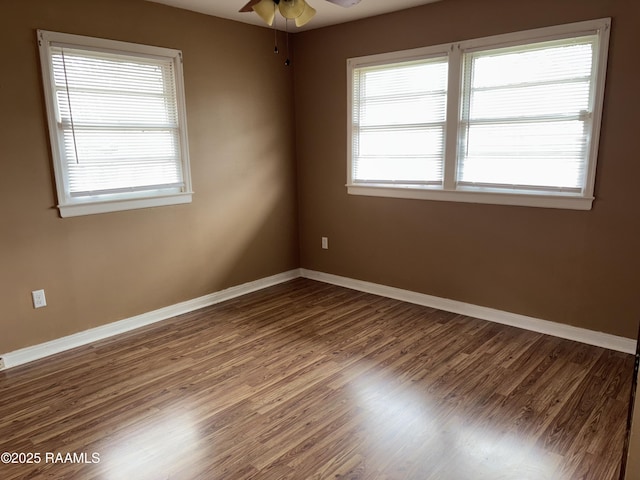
(321, 239)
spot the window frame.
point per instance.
(406, 57)
(449, 190)
(71, 206)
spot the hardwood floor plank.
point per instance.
(306, 380)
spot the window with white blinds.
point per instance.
(510, 119)
(526, 116)
(398, 122)
(117, 124)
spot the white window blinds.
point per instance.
(398, 122)
(118, 122)
(526, 116)
(510, 119)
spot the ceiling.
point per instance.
(328, 13)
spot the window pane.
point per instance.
(120, 159)
(527, 154)
(408, 110)
(536, 64)
(400, 169)
(110, 109)
(411, 79)
(105, 71)
(527, 115)
(399, 112)
(410, 142)
(118, 121)
(530, 101)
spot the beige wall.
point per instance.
(242, 224)
(573, 267)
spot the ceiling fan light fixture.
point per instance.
(266, 10)
(298, 10)
(308, 13)
(292, 8)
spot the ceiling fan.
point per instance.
(298, 10)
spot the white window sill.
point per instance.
(117, 205)
(544, 200)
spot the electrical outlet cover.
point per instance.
(39, 300)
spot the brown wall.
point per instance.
(573, 267)
(242, 224)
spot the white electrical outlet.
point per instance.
(325, 243)
(39, 300)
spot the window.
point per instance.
(117, 124)
(511, 119)
(400, 122)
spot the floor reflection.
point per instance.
(154, 450)
(394, 414)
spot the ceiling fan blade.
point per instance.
(249, 6)
(345, 3)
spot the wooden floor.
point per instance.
(310, 381)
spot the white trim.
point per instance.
(590, 337)
(90, 208)
(402, 56)
(534, 35)
(454, 95)
(598, 106)
(572, 202)
(37, 352)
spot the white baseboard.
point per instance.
(36, 352)
(590, 337)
